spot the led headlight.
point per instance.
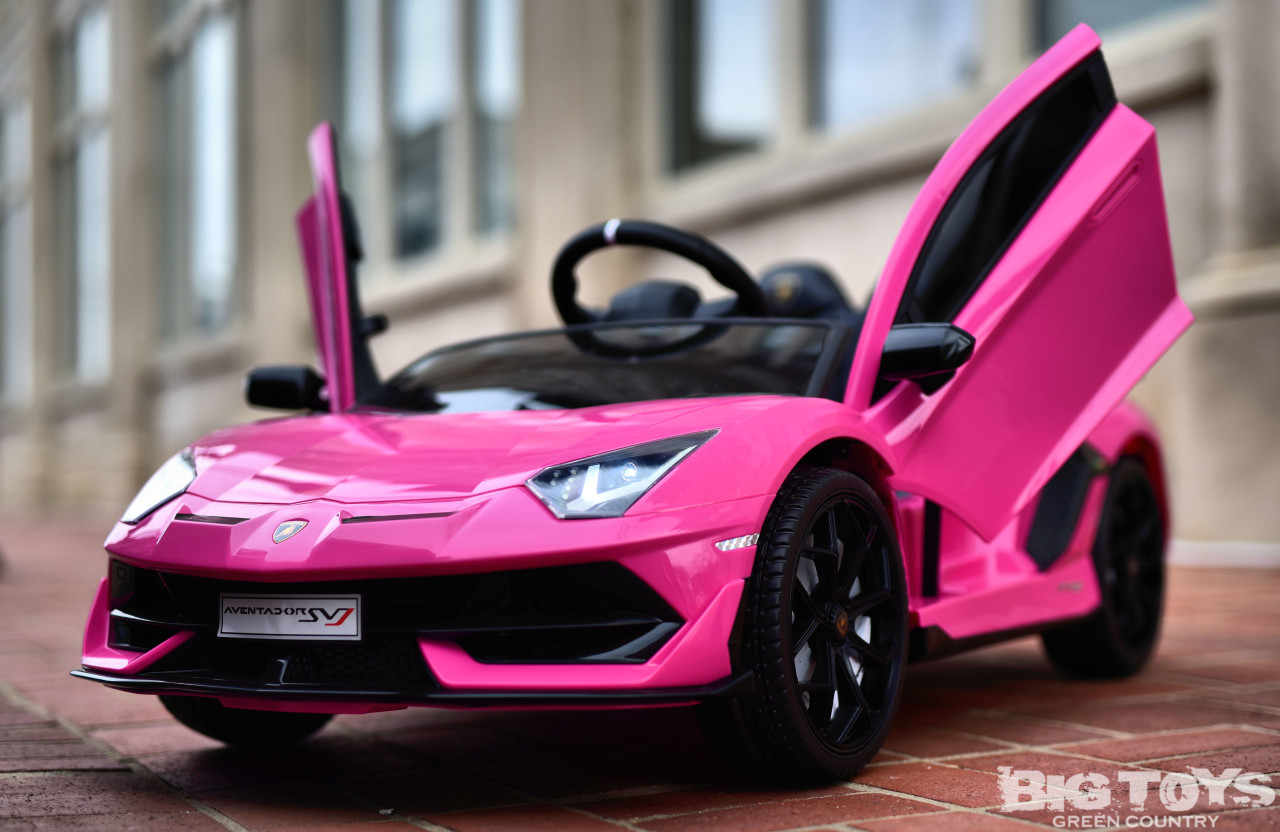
(172, 478)
(609, 484)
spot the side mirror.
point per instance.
(286, 387)
(927, 354)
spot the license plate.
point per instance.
(294, 617)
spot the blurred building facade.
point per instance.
(151, 160)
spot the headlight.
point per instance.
(173, 478)
(609, 484)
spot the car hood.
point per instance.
(381, 457)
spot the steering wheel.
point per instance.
(750, 299)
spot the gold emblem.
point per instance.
(785, 287)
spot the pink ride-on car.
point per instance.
(765, 506)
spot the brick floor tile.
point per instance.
(323, 761)
(137, 740)
(189, 821)
(1254, 671)
(32, 795)
(93, 762)
(418, 792)
(1142, 717)
(1166, 745)
(556, 776)
(1026, 731)
(68, 747)
(1265, 759)
(948, 822)
(88, 704)
(361, 826)
(288, 805)
(640, 807)
(34, 732)
(1269, 698)
(538, 818)
(11, 714)
(919, 741)
(789, 814)
(959, 786)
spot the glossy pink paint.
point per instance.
(1076, 310)
(321, 238)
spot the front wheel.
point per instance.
(825, 633)
(243, 728)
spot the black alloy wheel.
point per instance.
(1128, 554)
(825, 633)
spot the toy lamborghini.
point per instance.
(765, 505)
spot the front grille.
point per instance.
(595, 612)
(388, 659)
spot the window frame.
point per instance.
(72, 132)
(171, 46)
(17, 368)
(465, 253)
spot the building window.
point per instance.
(195, 71)
(1054, 18)
(15, 253)
(496, 64)
(722, 82)
(82, 175)
(871, 59)
(437, 127)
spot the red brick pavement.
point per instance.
(73, 754)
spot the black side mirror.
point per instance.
(927, 354)
(286, 387)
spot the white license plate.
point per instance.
(295, 617)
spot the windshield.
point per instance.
(584, 366)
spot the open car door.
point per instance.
(330, 250)
(1041, 232)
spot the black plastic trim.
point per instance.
(736, 684)
(931, 548)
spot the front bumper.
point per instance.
(671, 554)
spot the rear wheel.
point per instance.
(243, 728)
(1128, 554)
(825, 634)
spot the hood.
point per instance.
(381, 457)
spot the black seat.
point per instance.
(654, 299)
(806, 290)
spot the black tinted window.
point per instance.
(999, 194)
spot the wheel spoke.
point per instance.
(855, 556)
(799, 643)
(798, 590)
(867, 601)
(852, 696)
(866, 651)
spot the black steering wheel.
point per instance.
(728, 272)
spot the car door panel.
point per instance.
(324, 235)
(1069, 307)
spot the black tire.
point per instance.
(243, 728)
(825, 633)
(1128, 553)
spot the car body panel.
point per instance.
(1076, 309)
(328, 258)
